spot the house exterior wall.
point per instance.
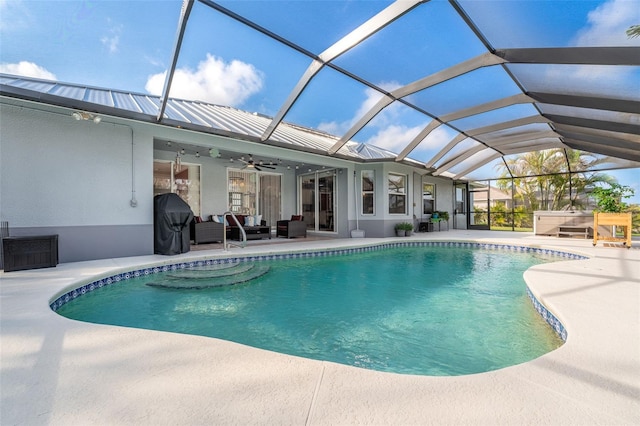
(74, 179)
(382, 223)
(213, 183)
(77, 179)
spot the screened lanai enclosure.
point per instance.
(524, 105)
(477, 90)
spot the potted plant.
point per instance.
(609, 200)
(403, 229)
(611, 211)
(443, 215)
(408, 228)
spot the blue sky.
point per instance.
(127, 45)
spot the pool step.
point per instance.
(216, 278)
(211, 271)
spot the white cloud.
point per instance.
(371, 98)
(27, 69)
(394, 137)
(606, 26)
(608, 23)
(112, 40)
(214, 81)
(111, 43)
(389, 134)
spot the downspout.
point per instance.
(356, 233)
(355, 199)
(133, 202)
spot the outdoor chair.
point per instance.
(296, 227)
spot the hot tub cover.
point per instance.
(171, 219)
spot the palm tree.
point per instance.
(633, 31)
(542, 180)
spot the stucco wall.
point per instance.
(213, 181)
(382, 223)
(74, 178)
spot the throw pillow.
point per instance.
(249, 221)
(258, 219)
(296, 217)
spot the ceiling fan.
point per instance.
(250, 164)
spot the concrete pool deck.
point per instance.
(63, 372)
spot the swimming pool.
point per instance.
(412, 322)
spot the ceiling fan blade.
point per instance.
(257, 168)
(268, 167)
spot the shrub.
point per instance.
(404, 226)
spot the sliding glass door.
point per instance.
(269, 199)
(318, 200)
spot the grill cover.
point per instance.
(171, 220)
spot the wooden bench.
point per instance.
(571, 231)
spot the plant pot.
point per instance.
(401, 233)
(408, 233)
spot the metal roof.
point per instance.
(193, 115)
(542, 103)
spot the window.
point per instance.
(242, 192)
(255, 193)
(368, 193)
(397, 194)
(428, 198)
(180, 178)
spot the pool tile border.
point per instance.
(551, 319)
(546, 315)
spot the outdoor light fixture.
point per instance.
(79, 115)
(178, 163)
(213, 153)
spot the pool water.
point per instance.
(418, 310)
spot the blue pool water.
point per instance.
(414, 310)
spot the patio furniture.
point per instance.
(296, 227)
(206, 232)
(30, 252)
(253, 232)
(612, 219)
(425, 227)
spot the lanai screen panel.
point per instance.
(454, 85)
(392, 54)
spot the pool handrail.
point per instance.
(225, 244)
